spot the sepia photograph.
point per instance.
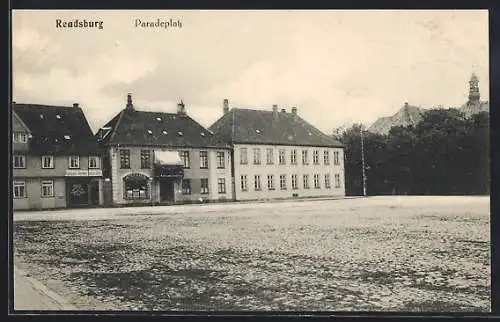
(250, 161)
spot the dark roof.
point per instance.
(140, 128)
(57, 129)
(264, 127)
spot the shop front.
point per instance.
(168, 172)
(83, 188)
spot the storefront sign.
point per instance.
(95, 173)
(77, 173)
(83, 173)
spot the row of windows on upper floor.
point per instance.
(294, 182)
(146, 159)
(47, 161)
(270, 159)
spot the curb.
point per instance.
(60, 302)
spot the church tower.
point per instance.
(474, 89)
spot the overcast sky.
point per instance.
(337, 67)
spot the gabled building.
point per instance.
(277, 154)
(55, 158)
(163, 158)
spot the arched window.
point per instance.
(136, 186)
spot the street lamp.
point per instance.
(363, 160)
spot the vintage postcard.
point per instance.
(251, 160)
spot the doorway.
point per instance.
(78, 192)
(166, 190)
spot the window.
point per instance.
(125, 159)
(326, 157)
(145, 159)
(270, 183)
(283, 182)
(221, 185)
(243, 156)
(185, 159)
(316, 181)
(93, 162)
(336, 160)
(315, 157)
(220, 160)
(203, 160)
(47, 189)
(74, 162)
(256, 156)
(204, 186)
(327, 181)
(293, 157)
(47, 162)
(306, 181)
(282, 156)
(337, 181)
(270, 156)
(136, 186)
(294, 181)
(19, 189)
(304, 157)
(20, 137)
(256, 182)
(243, 183)
(186, 186)
(19, 161)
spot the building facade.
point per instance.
(277, 155)
(55, 159)
(163, 158)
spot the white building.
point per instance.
(162, 158)
(276, 154)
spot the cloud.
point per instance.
(335, 66)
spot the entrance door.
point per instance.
(94, 193)
(166, 190)
(78, 193)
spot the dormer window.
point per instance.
(150, 132)
(58, 116)
(257, 131)
(41, 116)
(202, 134)
(180, 133)
(158, 119)
(164, 132)
(67, 137)
(56, 140)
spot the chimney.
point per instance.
(181, 109)
(75, 105)
(225, 106)
(406, 104)
(130, 106)
(275, 110)
(283, 110)
(294, 110)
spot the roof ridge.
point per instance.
(113, 131)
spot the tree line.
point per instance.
(444, 154)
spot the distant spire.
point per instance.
(474, 95)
